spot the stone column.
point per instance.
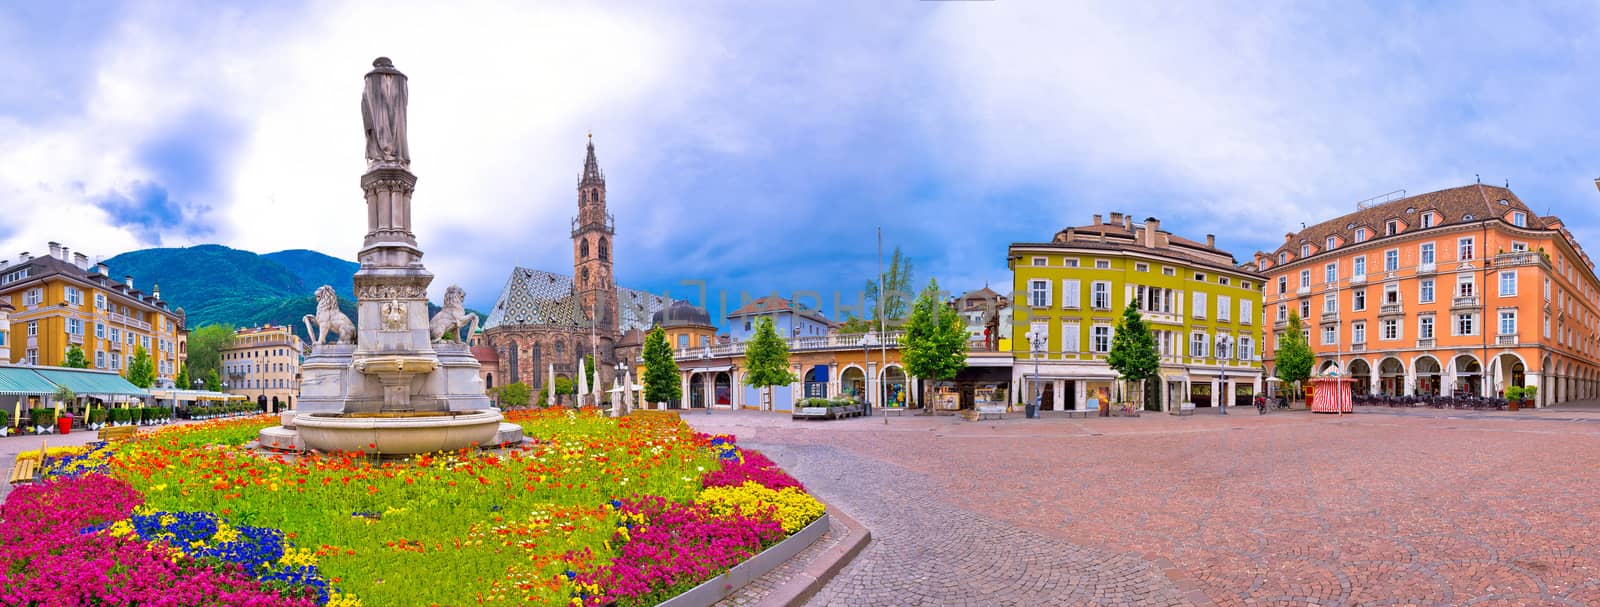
(1532, 379)
(796, 389)
(833, 379)
(683, 388)
(872, 384)
(1058, 392)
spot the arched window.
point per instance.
(604, 250)
(583, 248)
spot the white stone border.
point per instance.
(730, 581)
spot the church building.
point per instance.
(544, 319)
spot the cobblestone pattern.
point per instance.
(1282, 509)
(925, 553)
(760, 587)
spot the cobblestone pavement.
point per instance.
(1283, 509)
(759, 588)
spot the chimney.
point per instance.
(102, 269)
(1211, 241)
(1288, 236)
(1096, 221)
(1116, 217)
(66, 253)
(128, 280)
(55, 249)
(1151, 227)
(1072, 233)
(25, 257)
(4, 263)
(80, 260)
(1127, 222)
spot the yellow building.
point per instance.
(62, 300)
(263, 364)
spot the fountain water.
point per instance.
(395, 381)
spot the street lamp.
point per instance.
(704, 355)
(1036, 341)
(1224, 347)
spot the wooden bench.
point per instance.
(991, 412)
(26, 469)
(111, 433)
(894, 410)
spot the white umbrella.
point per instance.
(550, 384)
(583, 383)
(627, 392)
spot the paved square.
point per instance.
(1385, 507)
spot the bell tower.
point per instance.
(593, 232)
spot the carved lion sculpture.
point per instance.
(329, 319)
(452, 317)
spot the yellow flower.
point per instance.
(793, 508)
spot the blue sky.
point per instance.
(757, 147)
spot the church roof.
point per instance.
(537, 297)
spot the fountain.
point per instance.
(395, 381)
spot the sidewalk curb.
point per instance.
(820, 570)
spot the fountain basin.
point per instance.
(398, 433)
(403, 365)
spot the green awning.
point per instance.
(15, 381)
(91, 383)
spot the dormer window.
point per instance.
(1519, 219)
(1305, 250)
(1410, 210)
(1283, 257)
(1427, 220)
(1361, 234)
(1331, 242)
(1468, 217)
(1505, 203)
(1391, 227)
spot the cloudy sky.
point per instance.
(756, 146)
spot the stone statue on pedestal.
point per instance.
(383, 113)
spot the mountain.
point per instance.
(315, 269)
(216, 284)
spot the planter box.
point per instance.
(718, 588)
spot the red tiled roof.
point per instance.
(1470, 203)
(485, 354)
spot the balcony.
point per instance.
(1390, 309)
(854, 342)
(1303, 291)
(1360, 347)
(1425, 343)
(609, 225)
(75, 338)
(117, 320)
(1358, 279)
(1505, 340)
(1280, 325)
(1465, 301)
(1519, 258)
(1426, 268)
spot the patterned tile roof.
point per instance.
(536, 297)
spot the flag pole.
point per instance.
(883, 346)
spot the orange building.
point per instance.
(1464, 290)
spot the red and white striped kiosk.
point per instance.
(1332, 395)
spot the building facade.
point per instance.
(1460, 291)
(62, 300)
(263, 364)
(987, 315)
(544, 320)
(1202, 307)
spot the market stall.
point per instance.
(1331, 395)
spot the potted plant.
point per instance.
(1529, 396)
(1513, 397)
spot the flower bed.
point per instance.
(599, 511)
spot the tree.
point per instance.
(183, 377)
(513, 394)
(205, 349)
(935, 343)
(856, 326)
(661, 380)
(75, 358)
(896, 287)
(213, 381)
(141, 370)
(1294, 357)
(1133, 349)
(766, 359)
